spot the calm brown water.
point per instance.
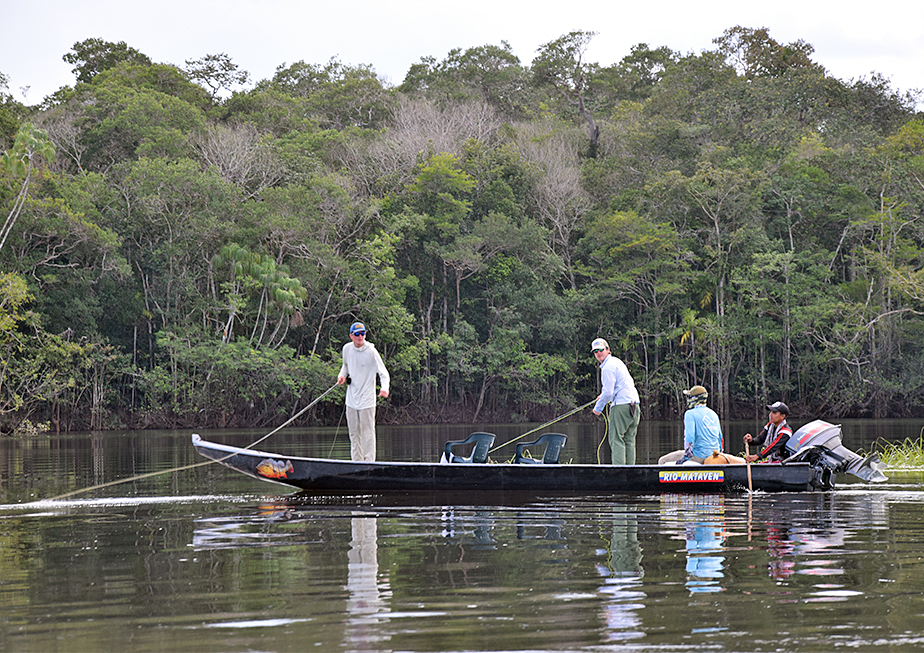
(208, 560)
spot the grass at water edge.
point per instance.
(905, 455)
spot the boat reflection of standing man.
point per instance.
(623, 574)
(366, 599)
(625, 552)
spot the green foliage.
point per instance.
(161, 78)
(755, 54)
(271, 112)
(637, 75)
(181, 215)
(31, 148)
(277, 294)
(217, 72)
(12, 113)
(503, 364)
(560, 64)
(630, 258)
(41, 369)
(337, 94)
(94, 56)
(127, 123)
(490, 74)
(14, 294)
(201, 383)
(735, 217)
(907, 454)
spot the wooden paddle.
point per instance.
(746, 454)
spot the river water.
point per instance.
(205, 559)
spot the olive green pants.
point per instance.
(623, 425)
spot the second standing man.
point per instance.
(619, 393)
(361, 362)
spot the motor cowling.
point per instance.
(819, 442)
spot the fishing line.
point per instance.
(291, 419)
(336, 432)
(194, 465)
(606, 432)
(542, 426)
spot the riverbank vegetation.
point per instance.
(181, 248)
(907, 454)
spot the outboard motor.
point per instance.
(819, 443)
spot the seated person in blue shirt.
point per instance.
(702, 433)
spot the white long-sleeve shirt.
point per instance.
(361, 364)
(618, 385)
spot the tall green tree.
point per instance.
(11, 114)
(340, 95)
(278, 296)
(755, 54)
(637, 74)
(90, 57)
(31, 148)
(560, 64)
(218, 72)
(490, 73)
(126, 118)
(174, 219)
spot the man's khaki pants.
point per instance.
(361, 424)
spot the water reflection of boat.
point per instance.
(702, 518)
(705, 556)
(808, 535)
(819, 458)
(479, 527)
(368, 590)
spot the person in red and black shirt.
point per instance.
(773, 438)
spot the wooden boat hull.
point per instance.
(343, 476)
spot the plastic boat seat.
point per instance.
(553, 443)
(483, 442)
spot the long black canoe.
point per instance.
(343, 476)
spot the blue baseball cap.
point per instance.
(357, 327)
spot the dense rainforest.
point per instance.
(184, 248)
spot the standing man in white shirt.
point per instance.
(620, 395)
(361, 362)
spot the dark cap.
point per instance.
(779, 407)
